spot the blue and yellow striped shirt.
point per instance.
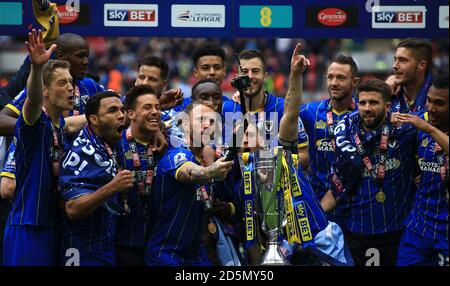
(177, 213)
(35, 198)
(429, 216)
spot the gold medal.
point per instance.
(212, 228)
(380, 197)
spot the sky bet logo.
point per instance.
(398, 17)
(130, 15)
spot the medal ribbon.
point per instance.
(144, 185)
(123, 196)
(57, 149)
(113, 156)
(207, 203)
(381, 170)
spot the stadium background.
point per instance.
(114, 59)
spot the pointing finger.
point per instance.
(297, 49)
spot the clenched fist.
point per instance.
(219, 170)
(123, 181)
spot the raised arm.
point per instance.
(288, 130)
(32, 107)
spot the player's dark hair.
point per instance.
(347, 60)
(421, 49)
(153, 61)
(441, 81)
(203, 81)
(251, 54)
(93, 103)
(208, 49)
(135, 92)
(376, 85)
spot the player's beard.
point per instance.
(109, 133)
(408, 80)
(375, 122)
(251, 93)
(341, 97)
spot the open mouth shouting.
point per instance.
(120, 128)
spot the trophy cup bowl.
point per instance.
(269, 210)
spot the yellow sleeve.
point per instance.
(179, 168)
(26, 121)
(302, 145)
(13, 108)
(8, 175)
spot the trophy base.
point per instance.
(273, 256)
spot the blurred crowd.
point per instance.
(115, 60)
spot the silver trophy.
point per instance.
(268, 205)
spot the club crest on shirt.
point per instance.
(179, 158)
(269, 125)
(85, 98)
(393, 143)
(425, 142)
(321, 124)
